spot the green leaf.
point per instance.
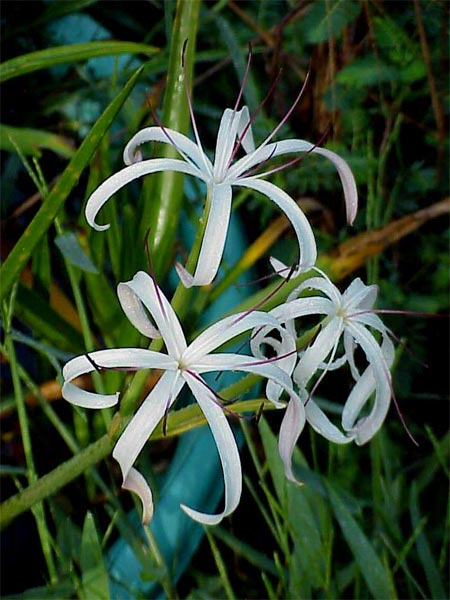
(46, 323)
(43, 59)
(32, 141)
(367, 71)
(325, 19)
(372, 569)
(73, 252)
(94, 575)
(423, 548)
(48, 211)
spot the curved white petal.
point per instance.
(228, 453)
(245, 125)
(119, 358)
(317, 353)
(359, 295)
(322, 424)
(291, 427)
(213, 239)
(231, 125)
(135, 482)
(180, 142)
(302, 228)
(301, 307)
(284, 350)
(320, 284)
(223, 331)
(376, 378)
(117, 181)
(146, 419)
(143, 289)
(249, 364)
(344, 171)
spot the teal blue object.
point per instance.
(194, 478)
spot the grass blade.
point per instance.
(23, 249)
(370, 565)
(43, 59)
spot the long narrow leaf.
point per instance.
(44, 218)
(370, 565)
(43, 59)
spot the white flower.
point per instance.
(349, 317)
(234, 131)
(182, 364)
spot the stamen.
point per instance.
(166, 414)
(244, 80)
(190, 107)
(324, 372)
(152, 274)
(252, 120)
(288, 164)
(216, 398)
(93, 363)
(259, 414)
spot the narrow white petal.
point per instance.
(79, 397)
(117, 181)
(244, 122)
(344, 171)
(302, 307)
(290, 430)
(119, 358)
(316, 354)
(322, 424)
(226, 139)
(376, 378)
(319, 284)
(249, 364)
(228, 453)
(213, 239)
(225, 330)
(175, 139)
(302, 228)
(143, 290)
(146, 419)
(135, 482)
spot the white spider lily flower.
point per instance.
(181, 364)
(348, 317)
(220, 177)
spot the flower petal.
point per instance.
(376, 378)
(213, 239)
(117, 181)
(135, 482)
(186, 147)
(146, 419)
(248, 364)
(344, 171)
(290, 430)
(317, 353)
(142, 291)
(223, 331)
(302, 228)
(120, 358)
(231, 125)
(228, 453)
(322, 424)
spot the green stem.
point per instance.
(55, 480)
(38, 508)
